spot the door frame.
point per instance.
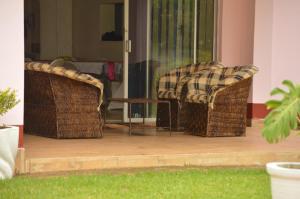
(125, 58)
(127, 48)
(126, 51)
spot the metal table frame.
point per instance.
(143, 101)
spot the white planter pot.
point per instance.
(9, 138)
(285, 179)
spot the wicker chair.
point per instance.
(171, 86)
(64, 104)
(225, 111)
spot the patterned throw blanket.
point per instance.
(72, 74)
(204, 86)
(170, 85)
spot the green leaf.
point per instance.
(271, 104)
(277, 91)
(284, 115)
(7, 100)
(289, 84)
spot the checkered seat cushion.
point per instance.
(170, 85)
(203, 87)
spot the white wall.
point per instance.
(12, 54)
(276, 45)
(64, 27)
(56, 28)
(48, 35)
(87, 42)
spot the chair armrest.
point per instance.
(71, 74)
(167, 83)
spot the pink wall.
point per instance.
(236, 34)
(12, 54)
(276, 45)
(286, 41)
(263, 50)
(265, 33)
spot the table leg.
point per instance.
(156, 127)
(104, 120)
(144, 113)
(105, 109)
(129, 104)
(178, 115)
(170, 119)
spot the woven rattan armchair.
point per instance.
(216, 102)
(61, 103)
(172, 86)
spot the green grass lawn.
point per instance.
(215, 183)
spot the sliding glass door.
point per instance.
(172, 38)
(161, 35)
(136, 50)
(205, 34)
(172, 33)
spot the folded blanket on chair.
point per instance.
(203, 87)
(170, 85)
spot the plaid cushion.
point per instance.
(166, 94)
(202, 87)
(61, 71)
(196, 71)
(172, 82)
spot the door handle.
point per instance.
(128, 46)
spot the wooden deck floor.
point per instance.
(118, 150)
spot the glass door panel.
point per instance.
(161, 35)
(137, 57)
(172, 38)
(205, 30)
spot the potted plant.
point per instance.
(279, 124)
(9, 135)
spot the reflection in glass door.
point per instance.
(162, 35)
(136, 54)
(205, 30)
(137, 62)
(172, 38)
(182, 32)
